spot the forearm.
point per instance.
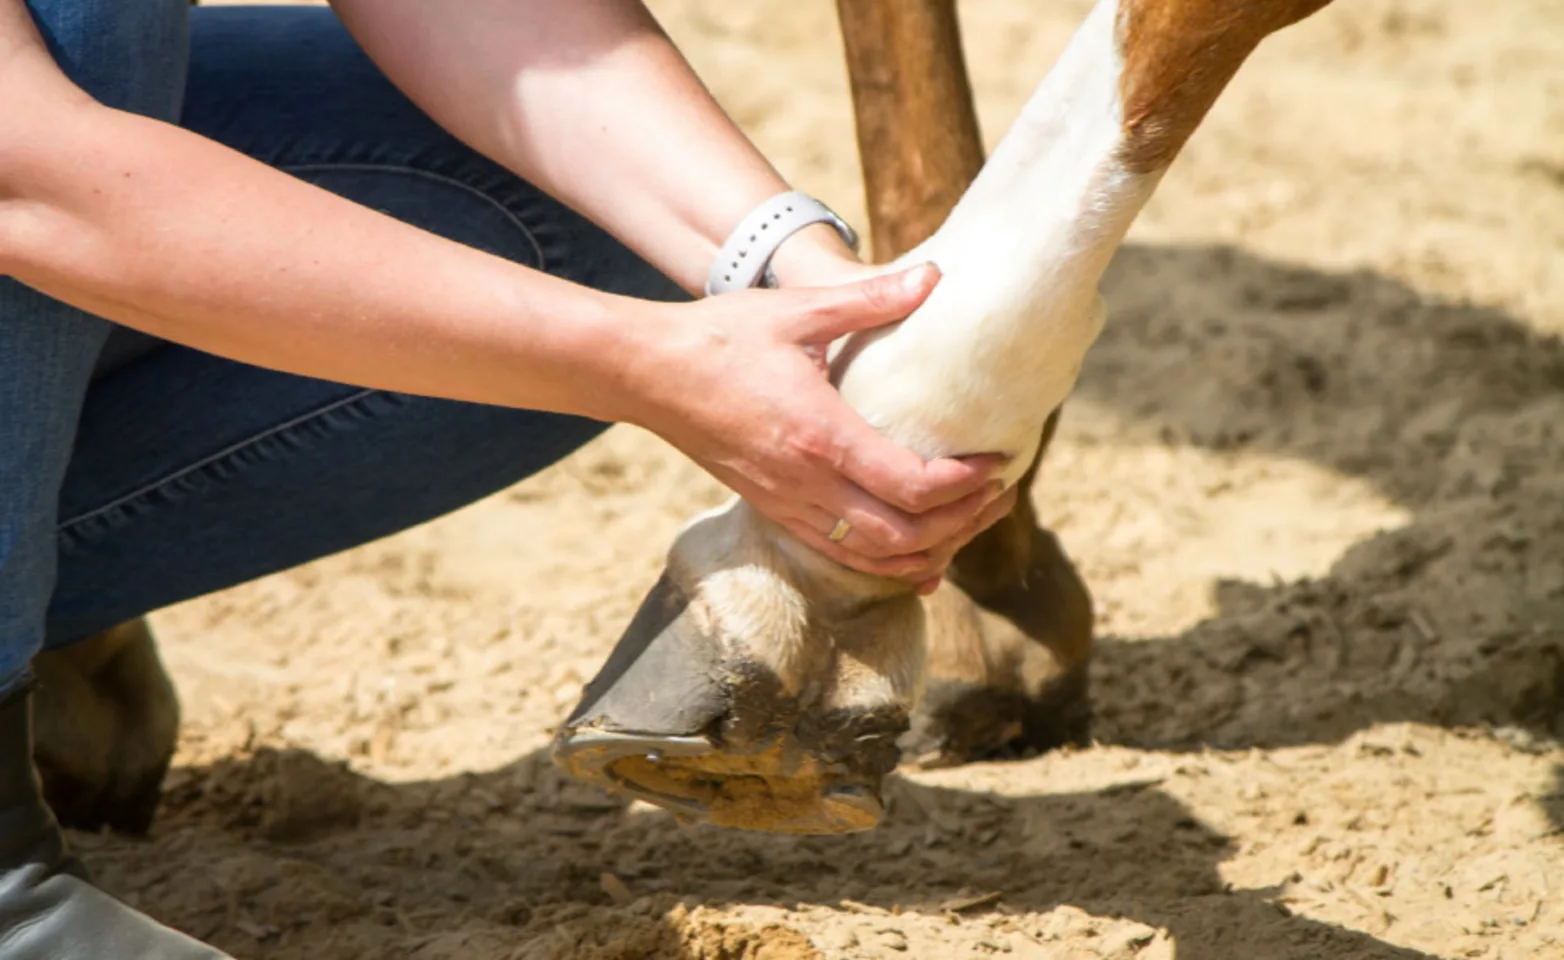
(166, 232)
(591, 101)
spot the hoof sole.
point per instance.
(777, 789)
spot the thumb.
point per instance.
(838, 311)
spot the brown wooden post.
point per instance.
(917, 127)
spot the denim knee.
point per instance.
(47, 351)
(131, 56)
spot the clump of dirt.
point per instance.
(718, 940)
(678, 933)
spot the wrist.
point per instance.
(783, 233)
(640, 369)
(816, 256)
(598, 347)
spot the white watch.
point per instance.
(745, 259)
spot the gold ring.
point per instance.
(840, 531)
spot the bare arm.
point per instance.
(169, 233)
(590, 100)
(161, 230)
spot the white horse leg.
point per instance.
(762, 685)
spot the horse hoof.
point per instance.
(106, 720)
(733, 701)
(1009, 655)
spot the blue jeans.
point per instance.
(136, 473)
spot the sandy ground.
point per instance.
(1313, 474)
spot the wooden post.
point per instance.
(917, 127)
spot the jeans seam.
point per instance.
(210, 459)
(503, 210)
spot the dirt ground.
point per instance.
(1313, 474)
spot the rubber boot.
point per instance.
(49, 910)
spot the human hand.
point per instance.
(739, 384)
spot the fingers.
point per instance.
(913, 567)
(923, 567)
(942, 554)
(881, 531)
(899, 477)
(836, 437)
(937, 560)
(837, 311)
(926, 563)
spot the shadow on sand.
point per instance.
(511, 863)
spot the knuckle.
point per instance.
(919, 495)
(882, 551)
(869, 526)
(816, 444)
(861, 556)
(876, 294)
(831, 308)
(900, 537)
(930, 532)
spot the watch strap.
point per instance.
(745, 259)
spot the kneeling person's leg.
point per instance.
(129, 56)
(194, 473)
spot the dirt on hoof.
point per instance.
(1313, 474)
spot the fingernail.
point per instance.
(914, 280)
